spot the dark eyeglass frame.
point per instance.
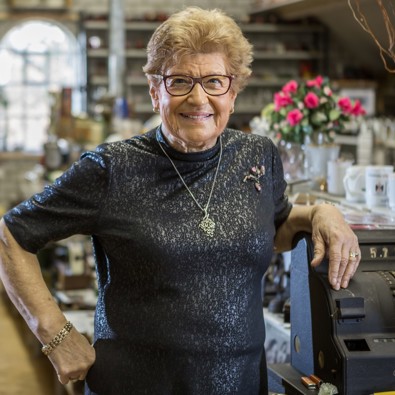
(195, 80)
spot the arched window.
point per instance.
(37, 58)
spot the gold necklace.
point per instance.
(207, 225)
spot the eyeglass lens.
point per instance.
(214, 85)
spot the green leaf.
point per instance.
(268, 110)
(334, 114)
(318, 118)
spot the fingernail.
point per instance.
(335, 284)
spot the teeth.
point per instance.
(196, 116)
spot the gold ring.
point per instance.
(353, 254)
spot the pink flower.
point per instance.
(294, 117)
(311, 100)
(358, 109)
(316, 82)
(290, 87)
(345, 105)
(281, 99)
(299, 102)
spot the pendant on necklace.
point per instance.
(207, 225)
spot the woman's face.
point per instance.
(193, 122)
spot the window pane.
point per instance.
(16, 99)
(36, 57)
(36, 99)
(36, 69)
(59, 73)
(6, 66)
(16, 134)
(33, 141)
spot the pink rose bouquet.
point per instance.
(301, 108)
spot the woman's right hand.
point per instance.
(20, 272)
(73, 358)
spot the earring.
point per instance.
(155, 110)
(232, 111)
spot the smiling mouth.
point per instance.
(197, 117)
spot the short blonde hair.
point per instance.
(196, 31)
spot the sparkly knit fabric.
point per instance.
(178, 312)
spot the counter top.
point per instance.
(357, 214)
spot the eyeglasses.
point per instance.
(213, 85)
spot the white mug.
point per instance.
(391, 191)
(335, 174)
(354, 184)
(376, 180)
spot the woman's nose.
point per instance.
(198, 94)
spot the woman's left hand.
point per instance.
(333, 238)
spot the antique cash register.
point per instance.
(345, 337)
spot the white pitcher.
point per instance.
(354, 184)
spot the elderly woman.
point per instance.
(184, 220)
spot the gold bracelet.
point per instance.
(63, 333)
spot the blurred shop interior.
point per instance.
(71, 78)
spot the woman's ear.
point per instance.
(153, 91)
(233, 96)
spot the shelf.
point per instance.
(131, 81)
(288, 55)
(99, 80)
(344, 139)
(136, 53)
(129, 53)
(137, 81)
(268, 6)
(96, 25)
(277, 28)
(136, 26)
(267, 83)
(143, 108)
(39, 5)
(98, 53)
(65, 15)
(241, 108)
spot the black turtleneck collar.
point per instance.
(187, 156)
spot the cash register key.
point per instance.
(308, 383)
